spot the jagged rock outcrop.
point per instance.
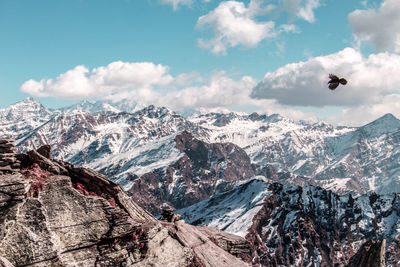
(371, 254)
(53, 213)
(302, 226)
(203, 170)
(298, 226)
(8, 162)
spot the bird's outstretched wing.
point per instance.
(333, 77)
(343, 81)
(333, 86)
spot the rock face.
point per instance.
(203, 170)
(371, 254)
(8, 161)
(304, 226)
(56, 214)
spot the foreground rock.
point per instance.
(56, 214)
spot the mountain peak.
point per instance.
(152, 111)
(383, 125)
(29, 99)
(90, 106)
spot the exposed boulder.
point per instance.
(200, 240)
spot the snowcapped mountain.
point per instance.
(201, 170)
(160, 156)
(23, 117)
(366, 157)
(126, 145)
(301, 226)
(89, 106)
(120, 145)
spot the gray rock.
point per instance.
(5, 263)
(81, 218)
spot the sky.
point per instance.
(269, 56)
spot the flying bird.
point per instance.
(334, 82)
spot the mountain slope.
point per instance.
(298, 226)
(96, 135)
(367, 157)
(23, 117)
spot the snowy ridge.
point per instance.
(231, 211)
(338, 158)
(296, 225)
(369, 155)
(23, 117)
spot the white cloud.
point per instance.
(303, 9)
(378, 27)
(234, 24)
(136, 82)
(307, 12)
(363, 114)
(114, 78)
(305, 83)
(221, 91)
(176, 3)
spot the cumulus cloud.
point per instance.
(378, 27)
(234, 24)
(305, 83)
(114, 78)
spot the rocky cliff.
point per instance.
(203, 170)
(305, 226)
(53, 213)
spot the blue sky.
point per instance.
(205, 54)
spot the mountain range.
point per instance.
(289, 187)
(124, 145)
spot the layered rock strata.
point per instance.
(8, 162)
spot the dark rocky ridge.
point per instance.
(203, 170)
(310, 225)
(304, 226)
(371, 254)
(53, 213)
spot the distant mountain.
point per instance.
(126, 145)
(301, 226)
(202, 170)
(366, 157)
(22, 118)
(87, 106)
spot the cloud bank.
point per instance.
(114, 78)
(305, 83)
(378, 27)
